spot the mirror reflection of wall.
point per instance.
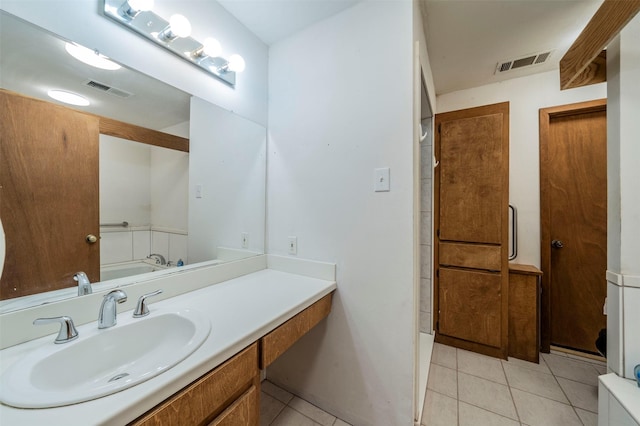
(146, 187)
(227, 174)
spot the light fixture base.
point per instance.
(149, 25)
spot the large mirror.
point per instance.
(160, 209)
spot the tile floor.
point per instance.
(465, 388)
(281, 408)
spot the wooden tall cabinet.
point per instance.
(471, 222)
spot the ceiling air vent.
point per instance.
(526, 61)
(108, 89)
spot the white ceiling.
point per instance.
(34, 61)
(274, 20)
(465, 38)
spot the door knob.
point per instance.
(557, 244)
(91, 238)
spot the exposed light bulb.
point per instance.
(236, 63)
(68, 97)
(211, 47)
(90, 57)
(180, 26)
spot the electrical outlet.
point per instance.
(293, 245)
(245, 240)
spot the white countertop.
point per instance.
(241, 310)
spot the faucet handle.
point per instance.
(67, 331)
(141, 309)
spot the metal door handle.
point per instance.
(514, 233)
(91, 238)
(557, 244)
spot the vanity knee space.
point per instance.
(230, 393)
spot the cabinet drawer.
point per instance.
(244, 411)
(208, 396)
(279, 340)
(476, 256)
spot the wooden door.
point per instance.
(49, 198)
(573, 163)
(471, 202)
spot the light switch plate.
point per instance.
(382, 182)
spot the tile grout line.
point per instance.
(279, 411)
(457, 389)
(564, 393)
(513, 401)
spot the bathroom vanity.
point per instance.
(229, 395)
(257, 307)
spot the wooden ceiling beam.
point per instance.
(577, 67)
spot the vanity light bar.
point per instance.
(155, 28)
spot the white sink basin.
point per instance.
(102, 362)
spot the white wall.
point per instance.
(526, 96)
(81, 21)
(227, 158)
(341, 105)
(623, 215)
(169, 187)
(124, 181)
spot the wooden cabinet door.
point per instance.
(471, 199)
(470, 305)
(49, 198)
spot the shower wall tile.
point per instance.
(425, 195)
(426, 171)
(425, 261)
(425, 228)
(426, 160)
(177, 248)
(425, 295)
(160, 243)
(425, 322)
(141, 244)
(115, 247)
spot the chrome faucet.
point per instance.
(84, 286)
(107, 314)
(160, 260)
